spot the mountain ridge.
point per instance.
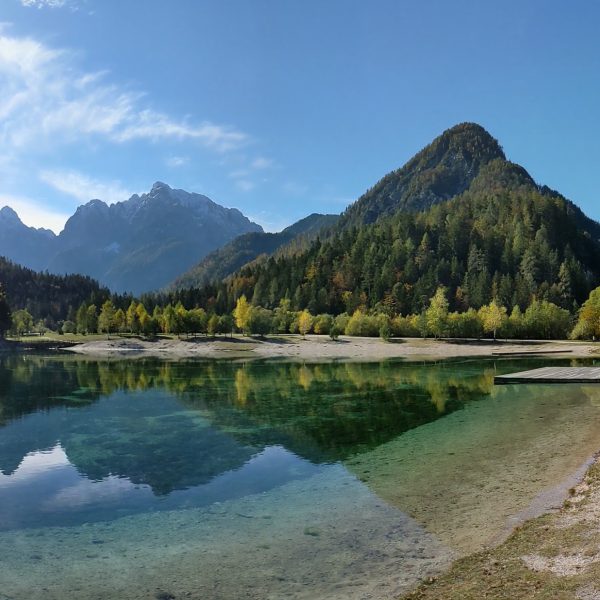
(488, 230)
(250, 247)
(136, 245)
(147, 239)
(441, 170)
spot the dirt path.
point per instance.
(322, 348)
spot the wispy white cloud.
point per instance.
(245, 185)
(84, 188)
(44, 3)
(148, 124)
(34, 214)
(177, 161)
(47, 100)
(50, 105)
(261, 162)
(39, 4)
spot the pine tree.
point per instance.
(5, 314)
(92, 319)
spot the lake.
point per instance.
(267, 480)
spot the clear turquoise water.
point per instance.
(150, 479)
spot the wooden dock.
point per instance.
(552, 375)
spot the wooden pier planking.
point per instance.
(552, 375)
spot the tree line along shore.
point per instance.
(540, 320)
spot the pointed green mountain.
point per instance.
(442, 170)
(459, 215)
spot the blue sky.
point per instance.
(282, 108)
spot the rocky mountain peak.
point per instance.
(441, 170)
(136, 245)
(9, 216)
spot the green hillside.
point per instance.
(459, 215)
(248, 247)
(46, 296)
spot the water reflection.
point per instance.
(158, 434)
(204, 418)
(122, 479)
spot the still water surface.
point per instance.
(150, 479)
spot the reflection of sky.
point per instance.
(46, 489)
(36, 464)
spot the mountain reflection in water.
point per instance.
(175, 425)
(144, 435)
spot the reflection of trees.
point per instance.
(328, 411)
(242, 387)
(146, 438)
(28, 384)
(322, 412)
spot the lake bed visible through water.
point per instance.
(258, 479)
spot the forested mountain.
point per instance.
(137, 245)
(45, 296)
(489, 233)
(248, 247)
(442, 170)
(500, 237)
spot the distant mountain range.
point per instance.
(138, 245)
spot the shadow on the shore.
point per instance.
(487, 342)
(272, 339)
(204, 339)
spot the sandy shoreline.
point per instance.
(322, 348)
